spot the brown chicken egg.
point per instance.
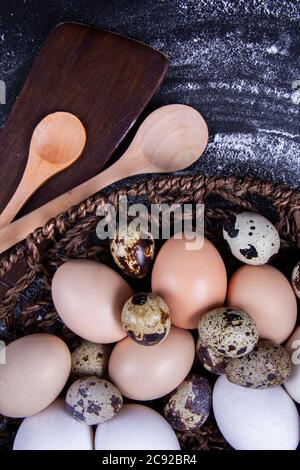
(191, 281)
(266, 294)
(133, 251)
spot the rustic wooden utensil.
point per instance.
(57, 142)
(103, 78)
(170, 139)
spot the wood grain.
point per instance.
(105, 79)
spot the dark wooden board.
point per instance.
(103, 78)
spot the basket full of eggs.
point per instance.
(140, 342)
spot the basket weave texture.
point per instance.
(27, 306)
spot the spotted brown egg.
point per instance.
(93, 401)
(296, 279)
(188, 406)
(133, 251)
(90, 359)
(146, 318)
(252, 238)
(229, 331)
(210, 359)
(268, 365)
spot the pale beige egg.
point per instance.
(36, 370)
(89, 297)
(147, 373)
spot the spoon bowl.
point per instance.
(172, 138)
(57, 142)
(58, 139)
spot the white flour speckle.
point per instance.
(272, 49)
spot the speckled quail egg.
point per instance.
(296, 279)
(251, 237)
(229, 331)
(268, 365)
(146, 318)
(133, 251)
(90, 359)
(93, 401)
(210, 359)
(188, 406)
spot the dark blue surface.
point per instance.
(235, 61)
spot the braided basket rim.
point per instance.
(286, 202)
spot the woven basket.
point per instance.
(27, 306)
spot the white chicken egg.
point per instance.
(53, 429)
(136, 427)
(252, 238)
(252, 419)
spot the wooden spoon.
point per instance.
(170, 139)
(57, 142)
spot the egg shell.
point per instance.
(188, 406)
(265, 293)
(292, 384)
(53, 429)
(36, 370)
(210, 359)
(296, 279)
(146, 318)
(147, 373)
(229, 331)
(251, 419)
(133, 251)
(93, 401)
(190, 281)
(268, 365)
(89, 297)
(90, 359)
(252, 238)
(136, 427)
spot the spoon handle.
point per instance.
(18, 230)
(35, 175)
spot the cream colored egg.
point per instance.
(36, 370)
(89, 297)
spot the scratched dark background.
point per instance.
(235, 61)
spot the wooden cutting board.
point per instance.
(103, 78)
